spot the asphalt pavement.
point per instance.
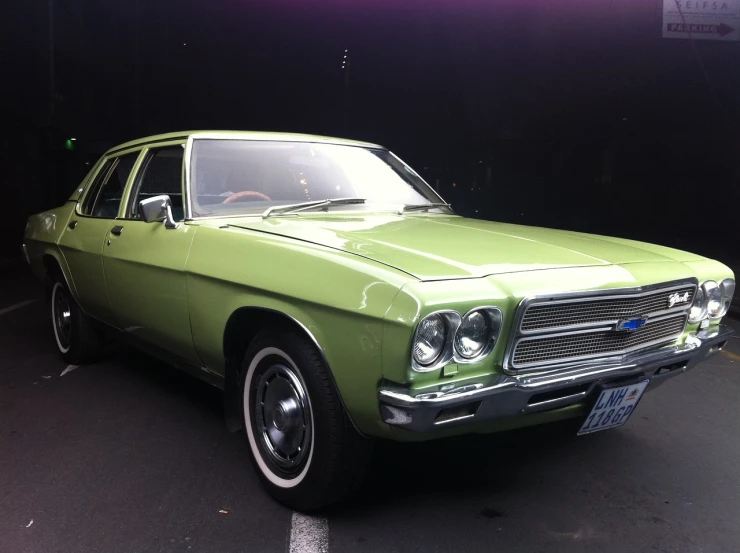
(128, 455)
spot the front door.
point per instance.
(85, 236)
(144, 262)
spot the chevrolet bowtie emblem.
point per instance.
(630, 324)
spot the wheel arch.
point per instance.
(241, 328)
(54, 266)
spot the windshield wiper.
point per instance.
(304, 206)
(422, 207)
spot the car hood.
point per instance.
(438, 247)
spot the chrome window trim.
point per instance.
(417, 175)
(131, 182)
(76, 196)
(221, 136)
(133, 185)
(187, 160)
(82, 198)
(118, 149)
(257, 136)
(567, 297)
(85, 193)
(192, 219)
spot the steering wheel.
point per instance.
(247, 194)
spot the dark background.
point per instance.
(570, 114)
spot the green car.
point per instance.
(336, 298)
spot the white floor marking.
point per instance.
(68, 369)
(29, 524)
(309, 534)
(16, 306)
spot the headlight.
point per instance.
(699, 306)
(430, 339)
(477, 333)
(714, 298)
(727, 290)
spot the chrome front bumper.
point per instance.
(514, 395)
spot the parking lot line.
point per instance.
(16, 306)
(309, 534)
(731, 355)
(68, 369)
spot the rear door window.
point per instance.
(104, 198)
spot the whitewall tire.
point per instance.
(61, 317)
(304, 448)
(259, 441)
(79, 339)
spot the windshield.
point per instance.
(233, 177)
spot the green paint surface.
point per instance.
(358, 282)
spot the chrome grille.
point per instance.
(555, 315)
(553, 332)
(585, 344)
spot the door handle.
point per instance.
(117, 230)
(72, 225)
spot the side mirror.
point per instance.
(158, 208)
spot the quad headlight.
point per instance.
(430, 339)
(477, 333)
(712, 300)
(727, 291)
(698, 309)
(447, 336)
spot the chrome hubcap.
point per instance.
(283, 416)
(62, 317)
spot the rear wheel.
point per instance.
(306, 451)
(77, 338)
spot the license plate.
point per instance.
(614, 407)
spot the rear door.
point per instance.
(83, 240)
(144, 263)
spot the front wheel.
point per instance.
(306, 451)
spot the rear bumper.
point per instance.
(514, 395)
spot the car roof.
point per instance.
(241, 135)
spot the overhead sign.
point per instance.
(701, 19)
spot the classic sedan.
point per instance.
(335, 297)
